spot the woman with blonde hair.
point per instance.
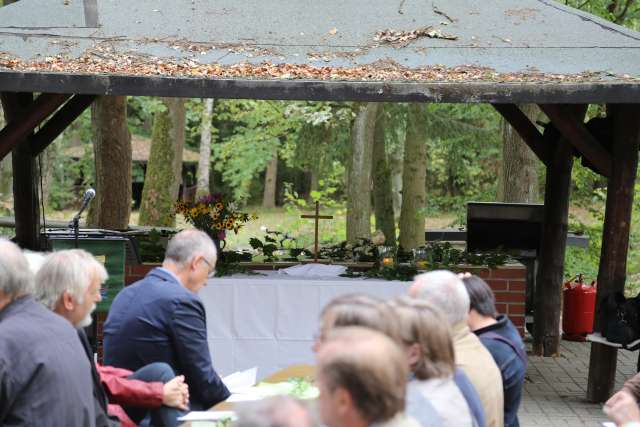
(427, 340)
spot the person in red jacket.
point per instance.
(140, 396)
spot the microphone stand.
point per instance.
(75, 222)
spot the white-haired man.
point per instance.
(446, 290)
(161, 319)
(68, 282)
(45, 379)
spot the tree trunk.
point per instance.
(204, 164)
(270, 180)
(162, 180)
(359, 181)
(112, 152)
(414, 178)
(6, 172)
(518, 181)
(382, 201)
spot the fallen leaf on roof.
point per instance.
(404, 37)
(333, 31)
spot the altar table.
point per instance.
(269, 320)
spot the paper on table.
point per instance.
(241, 380)
(208, 416)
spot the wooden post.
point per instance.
(615, 239)
(548, 297)
(546, 337)
(25, 176)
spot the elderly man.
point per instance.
(68, 282)
(45, 379)
(503, 341)
(161, 319)
(446, 291)
(362, 377)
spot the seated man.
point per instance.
(161, 319)
(278, 411)
(362, 377)
(503, 341)
(447, 292)
(45, 379)
(69, 283)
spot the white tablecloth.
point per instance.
(269, 321)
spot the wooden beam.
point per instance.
(579, 136)
(70, 111)
(615, 239)
(547, 303)
(18, 130)
(25, 182)
(527, 130)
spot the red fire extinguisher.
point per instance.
(579, 308)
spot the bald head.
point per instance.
(16, 279)
(369, 366)
(446, 291)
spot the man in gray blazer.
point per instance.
(45, 378)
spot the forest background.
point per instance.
(276, 158)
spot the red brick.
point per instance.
(510, 297)
(501, 308)
(517, 285)
(516, 309)
(517, 320)
(498, 285)
(509, 273)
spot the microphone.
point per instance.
(88, 195)
(86, 198)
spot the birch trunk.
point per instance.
(204, 163)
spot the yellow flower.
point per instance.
(254, 216)
(219, 206)
(215, 215)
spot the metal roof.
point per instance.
(411, 50)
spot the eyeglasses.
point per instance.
(212, 269)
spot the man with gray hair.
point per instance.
(446, 291)
(45, 379)
(162, 319)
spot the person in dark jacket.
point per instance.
(162, 319)
(68, 282)
(503, 341)
(45, 379)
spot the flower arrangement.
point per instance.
(214, 216)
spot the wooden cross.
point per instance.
(317, 218)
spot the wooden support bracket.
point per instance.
(19, 129)
(527, 130)
(59, 122)
(579, 136)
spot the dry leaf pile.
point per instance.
(108, 62)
